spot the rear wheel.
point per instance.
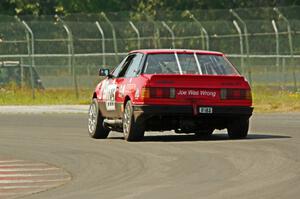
(238, 128)
(133, 130)
(95, 122)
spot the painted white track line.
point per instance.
(29, 169)
(10, 161)
(23, 165)
(29, 175)
(31, 181)
(26, 187)
(19, 177)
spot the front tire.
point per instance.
(238, 128)
(95, 122)
(133, 130)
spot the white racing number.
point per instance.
(109, 96)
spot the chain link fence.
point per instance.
(66, 52)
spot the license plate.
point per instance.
(206, 110)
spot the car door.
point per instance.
(113, 88)
(124, 87)
(108, 90)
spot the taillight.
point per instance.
(248, 95)
(235, 94)
(158, 92)
(145, 93)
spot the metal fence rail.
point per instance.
(264, 43)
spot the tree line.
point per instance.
(65, 7)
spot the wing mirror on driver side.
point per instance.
(104, 72)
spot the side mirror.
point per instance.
(103, 72)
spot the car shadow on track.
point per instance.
(215, 137)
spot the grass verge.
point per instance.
(265, 99)
(16, 96)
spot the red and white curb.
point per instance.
(21, 177)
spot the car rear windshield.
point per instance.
(174, 63)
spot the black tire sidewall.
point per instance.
(238, 128)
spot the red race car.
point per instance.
(189, 91)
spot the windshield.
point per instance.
(188, 64)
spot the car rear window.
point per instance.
(188, 64)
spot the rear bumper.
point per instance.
(167, 110)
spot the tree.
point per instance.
(51, 7)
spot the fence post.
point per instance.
(103, 42)
(171, 32)
(137, 34)
(245, 31)
(22, 62)
(277, 45)
(281, 16)
(69, 48)
(203, 31)
(30, 48)
(236, 25)
(114, 36)
(284, 72)
(157, 33)
(71, 56)
(22, 70)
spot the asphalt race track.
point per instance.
(266, 165)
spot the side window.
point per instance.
(125, 66)
(117, 70)
(133, 68)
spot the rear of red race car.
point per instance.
(188, 91)
(195, 104)
(202, 93)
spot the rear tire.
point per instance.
(133, 130)
(238, 128)
(95, 122)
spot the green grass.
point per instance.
(17, 96)
(265, 99)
